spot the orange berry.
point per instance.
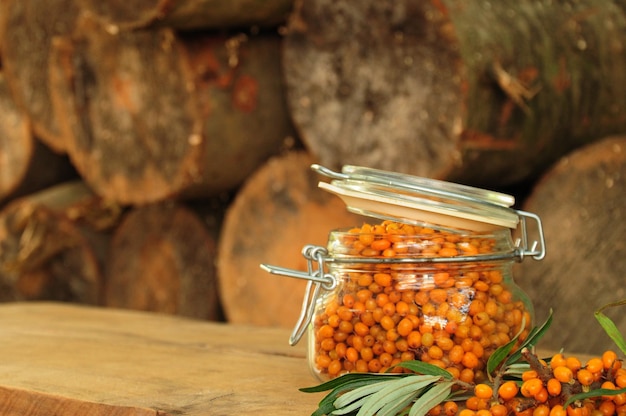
(467, 412)
(607, 408)
(585, 377)
(405, 326)
(557, 360)
(573, 364)
(608, 359)
(470, 360)
(531, 387)
(554, 387)
(476, 403)
(450, 408)
(574, 410)
(508, 390)
(558, 410)
(527, 375)
(542, 395)
(563, 374)
(541, 410)
(499, 410)
(594, 365)
(483, 391)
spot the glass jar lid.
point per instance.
(412, 199)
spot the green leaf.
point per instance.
(593, 393)
(609, 326)
(500, 355)
(345, 378)
(352, 382)
(392, 409)
(347, 398)
(431, 398)
(394, 391)
(421, 367)
(533, 337)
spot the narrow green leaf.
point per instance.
(421, 367)
(593, 393)
(392, 409)
(431, 398)
(609, 326)
(393, 391)
(499, 355)
(345, 378)
(533, 337)
(351, 408)
(347, 398)
(326, 404)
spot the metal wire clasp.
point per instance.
(538, 247)
(317, 279)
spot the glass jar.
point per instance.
(427, 276)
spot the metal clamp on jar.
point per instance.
(429, 279)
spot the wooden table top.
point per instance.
(63, 359)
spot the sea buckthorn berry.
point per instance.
(542, 395)
(573, 364)
(483, 391)
(607, 408)
(554, 387)
(609, 359)
(557, 360)
(499, 410)
(558, 410)
(531, 387)
(541, 410)
(594, 365)
(563, 374)
(585, 377)
(508, 390)
(450, 408)
(467, 412)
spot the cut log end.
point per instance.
(277, 212)
(581, 203)
(162, 260)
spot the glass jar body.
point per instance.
(413, 293)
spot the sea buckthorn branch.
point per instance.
(522, 385)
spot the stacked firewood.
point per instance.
(155, 153)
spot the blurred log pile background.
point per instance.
(154, 153)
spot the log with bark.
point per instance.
(53, 244)
(582, 203)
(190, 14)
(482, 92)
(275, 214)
(162, 259)
(153, 114)
(26, 165)
(26, 33)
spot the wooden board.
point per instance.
(62, 359)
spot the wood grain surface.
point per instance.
(62, 359)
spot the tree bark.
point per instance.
(275, 214)
(162, 260)
(191, 14)
(153, 114)
(486, 93)
(581, 202)
(26, 34)
(53, 243)
(28, 165)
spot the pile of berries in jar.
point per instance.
(452, 314)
